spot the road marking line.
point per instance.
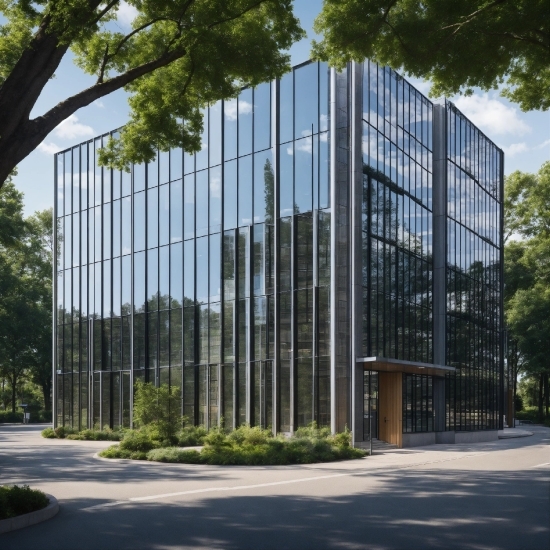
(273, 483)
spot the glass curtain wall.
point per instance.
(397, 217)
(169, 269)
(474, 271)
(304, 247)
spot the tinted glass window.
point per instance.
(286, 111)
(245, 122)
(262, 116)
(189, 272)
(189, 207)
(245, 190)
(201, 190)
(286, 179)
(263, 186)
(176, 160)
(202, 270)
(215, 199)
(176, 275)
(139, 221)
(215, 146)
(164, 214)
(176, 211)
(152, 218)
(215, 267)
(230, 129)
(230, 195)
(306, 104)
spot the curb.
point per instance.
(515, 436)
(26, 520)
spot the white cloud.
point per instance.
(230, 109)
(305, 145)
(70, 128)
(492, 116)
(515, 149)
(49, 148)
(99, 103)
(544, 144)
(126, 13)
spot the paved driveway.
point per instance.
(481, 496)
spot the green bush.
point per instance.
(191, 436)
(244, 446)
(16, 500)
(9, 417)
(175, 454)
(157, 410)
(62, 432)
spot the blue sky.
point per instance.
(525, 137)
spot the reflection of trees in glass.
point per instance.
(473, 347)
(269, 190)
(397, 273)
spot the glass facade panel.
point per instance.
(213, 271)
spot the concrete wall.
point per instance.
(418, 439)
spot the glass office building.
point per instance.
(332, 254)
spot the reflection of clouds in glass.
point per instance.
(324, 123)
(216, 186)
(304, 145)
(230, 109)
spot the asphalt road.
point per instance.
(480, 496)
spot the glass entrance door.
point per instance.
(370, 405)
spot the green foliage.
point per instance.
(8, 417)
(246, 446)
(518, 403)
(527, 277)
(157, 410)
(62, 432)
(25, 301)
(16, 500)
(191, 436)
(456, 45)
(178, 58)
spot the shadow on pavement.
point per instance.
(428, 509)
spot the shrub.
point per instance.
(114, 451)
(9, 417)
(175, 454)
(136, 440)
(62, 432)
(48, 433)
(191, 436)
(16, 500)
(157, 410)
(254, 446)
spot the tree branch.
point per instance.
(60, 112)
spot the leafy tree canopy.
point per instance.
(179, 56)
(457, 45)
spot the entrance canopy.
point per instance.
(397, 365)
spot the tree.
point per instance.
(527, 276)
(26, 248)
(456, 45)
(179, 56)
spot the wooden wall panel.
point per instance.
(390, 402)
